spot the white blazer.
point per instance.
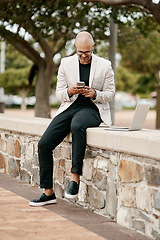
(101, 79)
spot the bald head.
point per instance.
(84, 39)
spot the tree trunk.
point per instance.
(23, 93)
(43, 89)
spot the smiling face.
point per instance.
(84, 45)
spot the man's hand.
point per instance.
(89, 92)
(73, 90)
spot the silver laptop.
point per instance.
(138, 120)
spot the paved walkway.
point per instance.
(61, 221)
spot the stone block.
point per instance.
(127, 195)
(35, 176)
(17, 149)
(144, 198)
(130, 171)
(82, 195)
(66, 152)
(90, 153)
(25, 177)
(68, 164)
(112, 174)
(13, 147)
(114, 159)
(3, 145)
(111, 199)
(155, 234)
(59, 176)
(28, 164)
(124, 217)
(58, 190)
(57, 152)
(105, 154)
(95, 198)
(35, 159)
(152, 175)
(62, 162)
(102, 164)
(2, 161)
(138, 226)
(100, 180)
(14, 167)
(87, 169)
(156, 200)
(29, 152)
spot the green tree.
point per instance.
(146, 6)
(41, 29)
(16, 81)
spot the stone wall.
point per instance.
(116, 182)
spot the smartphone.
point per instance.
(80, 84)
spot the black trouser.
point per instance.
(76, 119)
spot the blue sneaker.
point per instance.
(72, 190)
(43, 200)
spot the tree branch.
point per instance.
(38, 37)
(153, 8)
(21, 45)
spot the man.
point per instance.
(81, 108)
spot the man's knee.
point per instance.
(42, 144)
(76, 127)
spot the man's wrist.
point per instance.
(69, 95)
(94, 98)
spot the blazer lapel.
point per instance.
(76, 69)
(93, 67)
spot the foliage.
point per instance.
(13, 80)
(139, 53)
(133, 82)
(14, 59)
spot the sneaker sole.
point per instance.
(70, 196)
(33, 204)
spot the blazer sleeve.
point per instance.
(62, 86)
(108, 92)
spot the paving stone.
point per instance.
(26, 222)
